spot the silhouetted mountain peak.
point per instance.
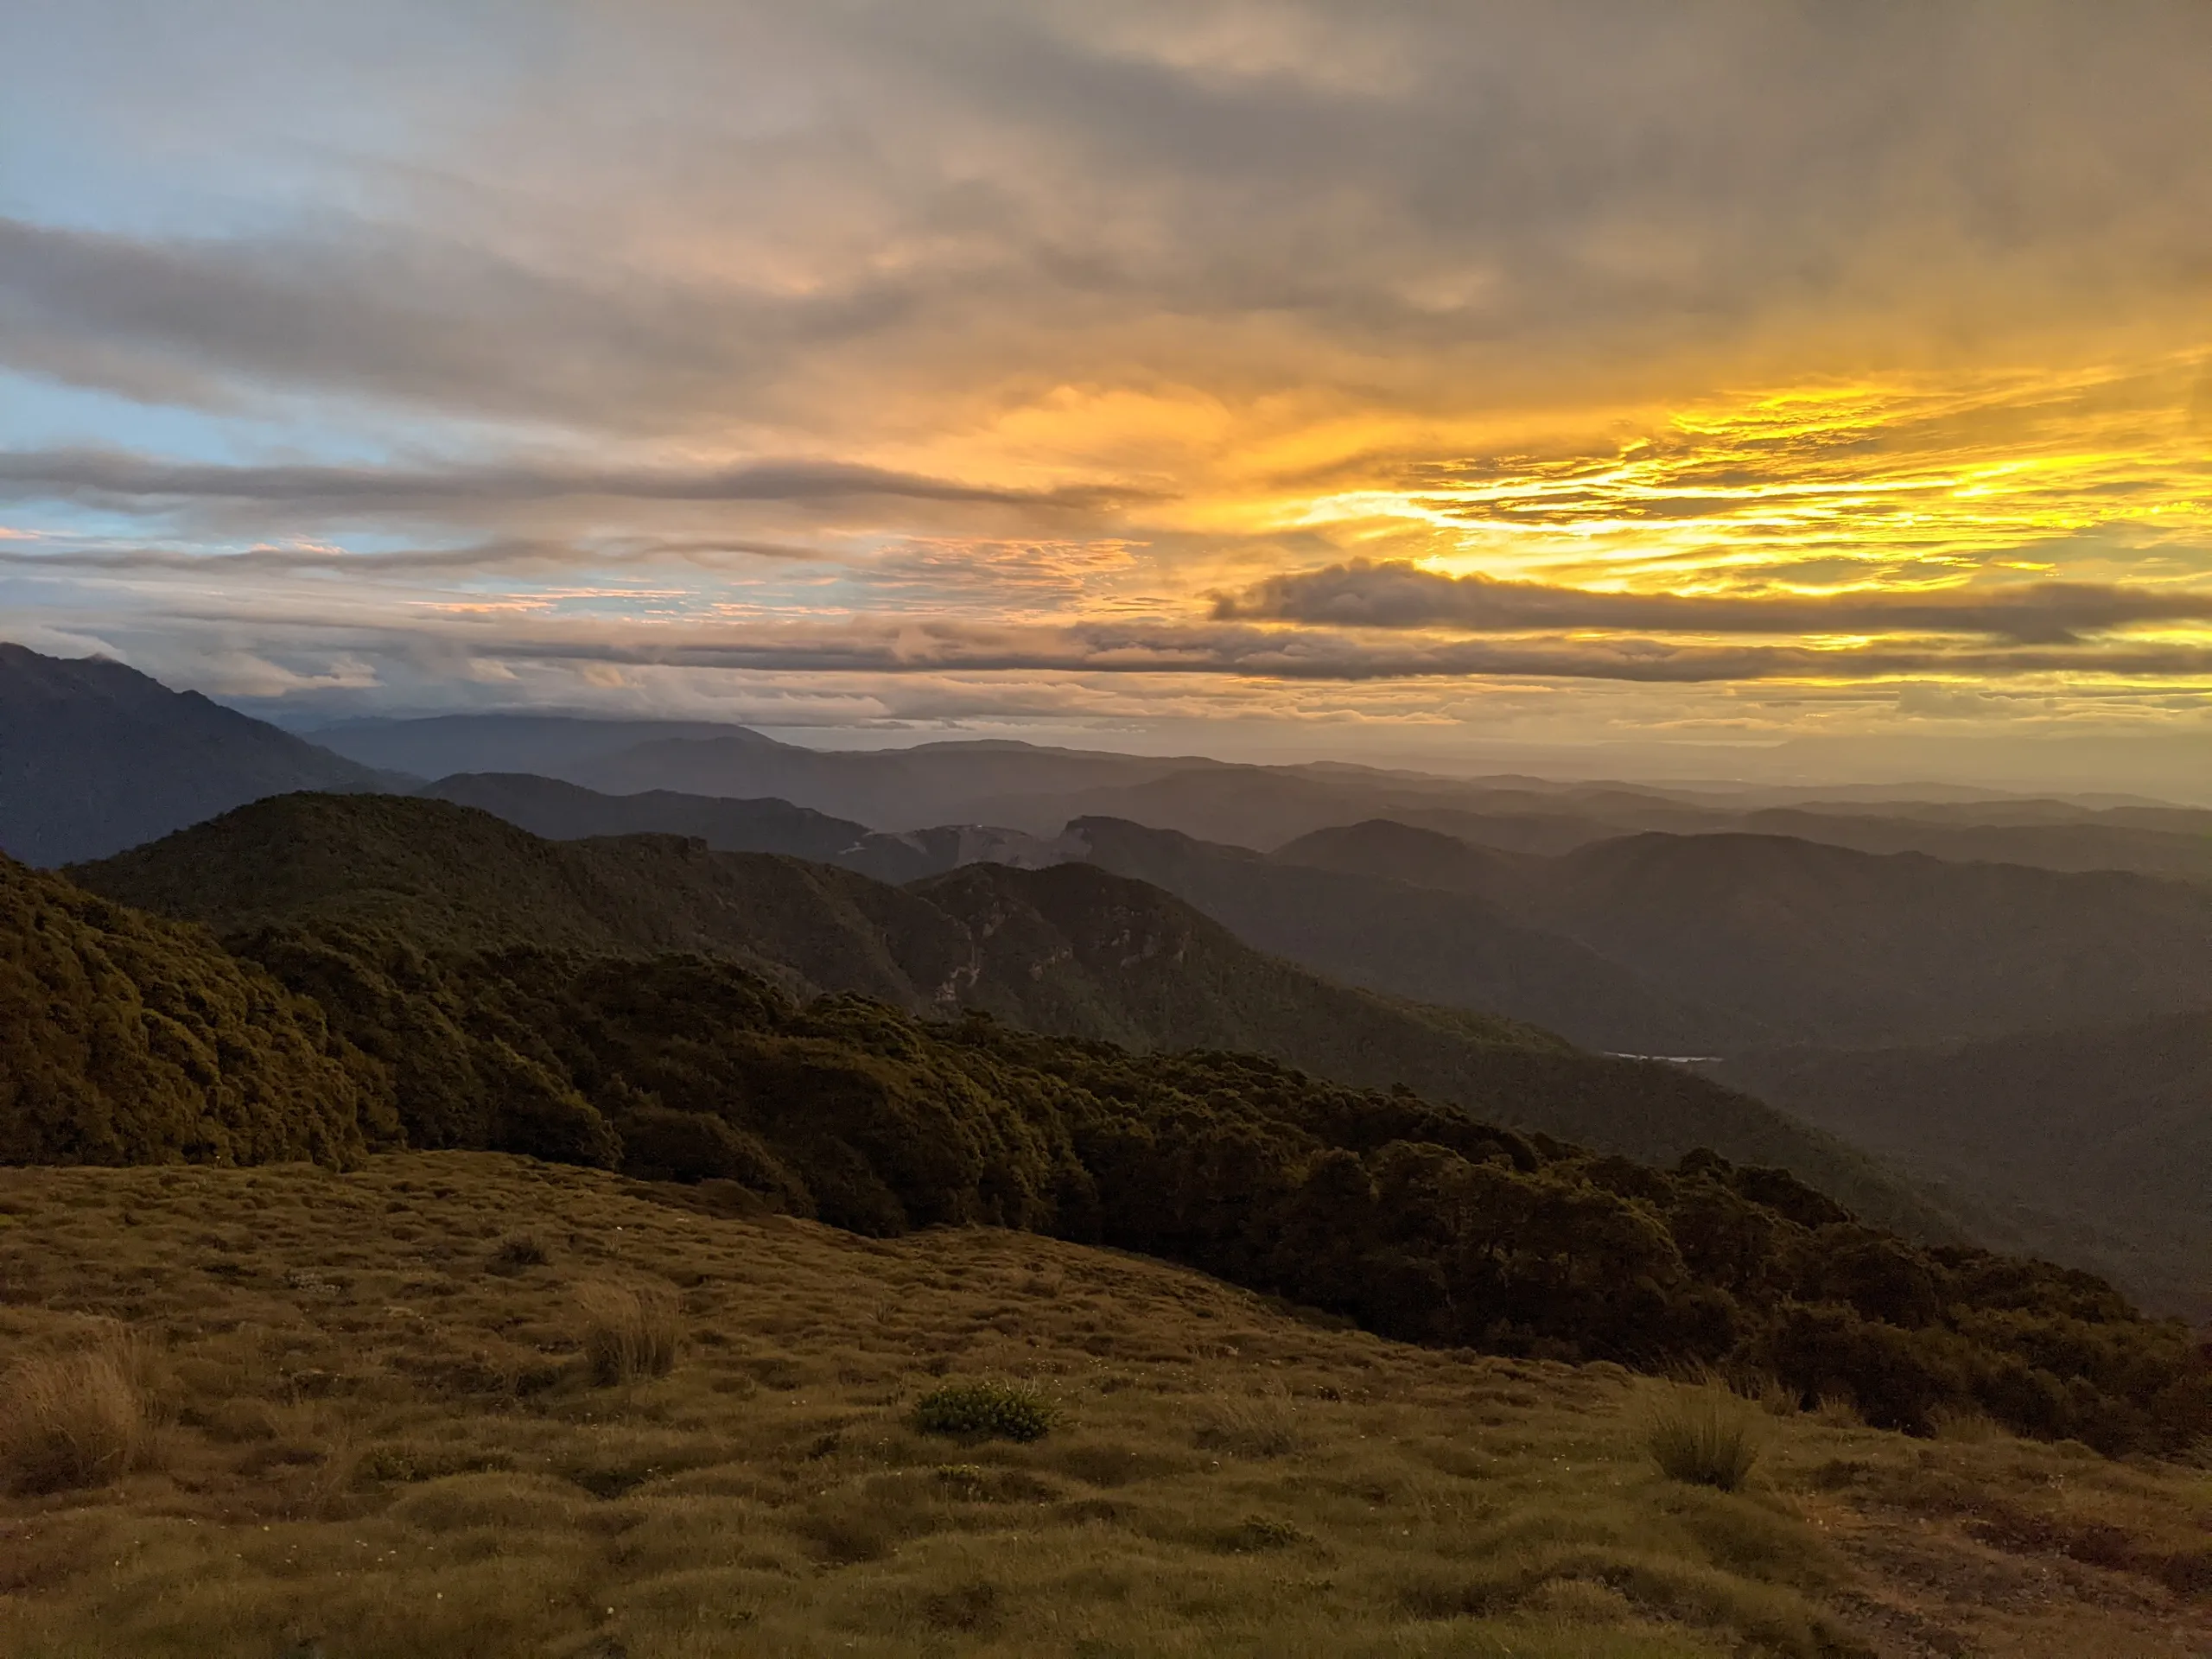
(96, 756)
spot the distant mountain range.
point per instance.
(1646, 944)
(564, 812)
(2006, 995)
(98, 757)
(1037, 791)
(95, 756)
(1071, 951)
(1813, 942)
(550, 745)
(2092, 1145)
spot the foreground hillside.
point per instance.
(371, 1431)
(1074, 952)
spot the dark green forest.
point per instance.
(125, 1039)
(1415, 1219)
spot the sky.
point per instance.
(1690, 387)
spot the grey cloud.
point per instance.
(1401, 596)
(901, 646)
(111, 479)
(1301, 657)
(474, 559)
(970, 194)
(395, 311)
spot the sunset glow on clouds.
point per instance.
(1555, 371)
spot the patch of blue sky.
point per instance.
(40, 413)
(222, 119)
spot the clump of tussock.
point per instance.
(1259, 1425)
(986, 1411)
(518, 1252)
(630, 1331)
(1703, 1433)
(78, 1419)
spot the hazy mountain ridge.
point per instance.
(190, 759)
(438, 745)
(2104, 1132)
(1391, 936)
(1824, 943)
(95, 756)
(565, 811)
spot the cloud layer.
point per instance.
(1439, 354)
(1402, 595)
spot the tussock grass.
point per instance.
(630, 1329)
(78, 1419)
(381, 1451)
(1256, 1425)
(1703, 1433)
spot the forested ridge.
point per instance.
(1413, 1218)
(1072, 950)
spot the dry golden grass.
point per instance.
(79, 1418)
(388, 1442)
(630, 1331)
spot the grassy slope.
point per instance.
(1067, 951)
(381, 1446)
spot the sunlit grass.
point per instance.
(390, 1439)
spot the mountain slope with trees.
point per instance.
(128, 1039)
(2088, 1144)
(1417, 1220)
(1072, 950)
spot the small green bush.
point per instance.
(985, 1411)
(1704, 1435)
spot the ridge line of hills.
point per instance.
(1843, 985)
(122, 758)
(1072, 950)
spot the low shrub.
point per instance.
(630, 1331)
(1703, 1434)
(76, 1420)
(985, 1411)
